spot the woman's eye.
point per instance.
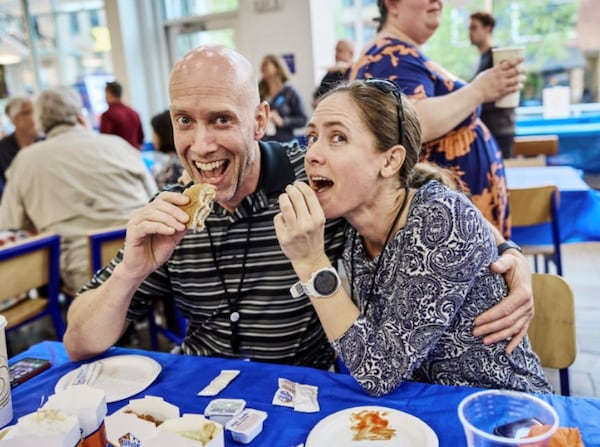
(310, 139)
(338, 138)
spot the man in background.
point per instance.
(120, 119)
(344, 56)
(73, 182)
(20, 112)
(500, 121)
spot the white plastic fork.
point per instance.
(86, 374)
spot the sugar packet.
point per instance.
(219, 382)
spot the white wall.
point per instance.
(290, 29)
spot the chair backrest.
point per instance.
(534, 205)
(103, 246)
(534, 145)
(29, 264)
(552, 330)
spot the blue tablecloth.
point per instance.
(578, 139)
(579, 211)
(183, 376)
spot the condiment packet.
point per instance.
(298, 396)
(285, 394)
(219, 382)
(306, 398)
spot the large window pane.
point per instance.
(177, 9)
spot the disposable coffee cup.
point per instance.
(6, 409)
(511, 100)
(500, 418)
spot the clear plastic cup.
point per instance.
(500, 418)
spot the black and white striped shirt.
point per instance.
(274, 327)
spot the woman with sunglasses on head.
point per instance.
(448, 107)
(417, 256)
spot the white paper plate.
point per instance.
(120, 377)
(334, 430)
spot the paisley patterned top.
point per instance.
(433, 281)
(469, 149)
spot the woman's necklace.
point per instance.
(232, 301)
(378, 265)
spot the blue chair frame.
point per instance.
(96, 241)
(51, 243)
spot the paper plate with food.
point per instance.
(120, 376)
(371, 426)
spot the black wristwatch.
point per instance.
(322, 284)
(507, 245)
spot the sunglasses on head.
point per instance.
(386, 86)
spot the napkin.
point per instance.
(562, 437)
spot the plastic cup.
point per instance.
(482, 412)
(498, 55)
(6, 409)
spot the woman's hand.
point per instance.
(498, 81)
(510, 318)
(300, 228)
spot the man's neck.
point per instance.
(25, 138)
(485, 46)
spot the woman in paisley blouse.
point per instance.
(417, 256)
(448, 107)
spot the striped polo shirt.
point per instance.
(273, 326)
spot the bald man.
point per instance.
(230, 281)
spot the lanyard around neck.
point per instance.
(233, 300)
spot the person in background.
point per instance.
(344, 56)
(499, 120)
(448, 108)
(19, 110)
(287, 110)
(120, 119)
(231, 281)
(73, 182)
(170, 168)
(417, 256)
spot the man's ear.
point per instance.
(394, 159)
(261, 118)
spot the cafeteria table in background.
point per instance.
(183, 376)
(578, 138)
(579, 208)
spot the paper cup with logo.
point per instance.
(498, 55)
(501, 418)
(6, 410)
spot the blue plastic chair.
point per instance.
(103, 246)
(27, 265)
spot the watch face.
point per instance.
(325, 282)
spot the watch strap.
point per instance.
(507, 245)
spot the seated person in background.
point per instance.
(287, 110)
(169, 168)
(19, 110)
(417, 258)
(73, 182)
(120, 119)
(231, 281)
(344, 56)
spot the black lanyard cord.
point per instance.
(232, 301)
